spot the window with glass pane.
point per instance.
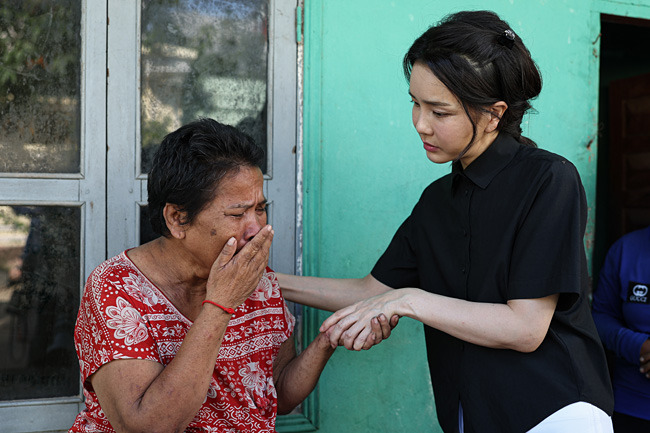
(39, 299)
(40, 48)
(202, 58)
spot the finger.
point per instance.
(375, 335)
(361, 337)
(335, 340)
(261, 257)
(334, 318)
(377, 328)
(227, 253)
(264, 251)
(266, 237)
(350, 334)
(269, 238)
(385, 327)
(336, 334)
(264, 242)
(338, 331)
(369, 342)
(256, 244)
(394, 321)
(333, 344)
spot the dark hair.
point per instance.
(190, 164)
(481, 61)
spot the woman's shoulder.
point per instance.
(118, 263)
(537, 155)
(118, 280)
(545, 164)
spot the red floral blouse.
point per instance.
(124, 316)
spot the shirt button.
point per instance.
(465, 233)
(463, 270)
(466, 191)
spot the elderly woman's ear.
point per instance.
(175, 220)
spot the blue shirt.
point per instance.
(621, 310)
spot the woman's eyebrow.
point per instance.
(247, 205)
(434, 103)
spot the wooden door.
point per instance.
(629, 155)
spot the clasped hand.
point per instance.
(233, 277)
(364, 324)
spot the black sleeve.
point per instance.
(397, 267)
(548, 252)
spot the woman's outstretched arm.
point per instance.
(520, 324)
(332, 294)
(329, 294)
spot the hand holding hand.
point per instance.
(359, 326)
(381, 329)
(234, 277)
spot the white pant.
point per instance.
(577, 417)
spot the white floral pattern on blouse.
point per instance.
(124, 316)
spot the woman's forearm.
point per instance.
(300, 375)
(518, 325)
(329, 294)
(139, 395)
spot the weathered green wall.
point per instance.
(364, 167)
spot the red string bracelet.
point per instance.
(226, 309)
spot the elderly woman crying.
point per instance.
(190, 331)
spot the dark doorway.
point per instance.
(623, 182)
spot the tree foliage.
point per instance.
(39, 48)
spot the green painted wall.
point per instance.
(364, 167)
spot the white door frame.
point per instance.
(86, 189)
(127, 187)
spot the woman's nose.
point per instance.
(420, 122)
(421, 125)
(253, 226)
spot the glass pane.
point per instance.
(203, 58)
(146, 231)
(40, 47)
(39, 299)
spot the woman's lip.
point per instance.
(429, 147)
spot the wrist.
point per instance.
(323, 343)
(225, 309)
(404, 302)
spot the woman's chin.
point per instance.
(438, 157)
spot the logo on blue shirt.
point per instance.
(637, 293)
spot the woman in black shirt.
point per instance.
(491, 259)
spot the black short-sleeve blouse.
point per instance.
(509, 226)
